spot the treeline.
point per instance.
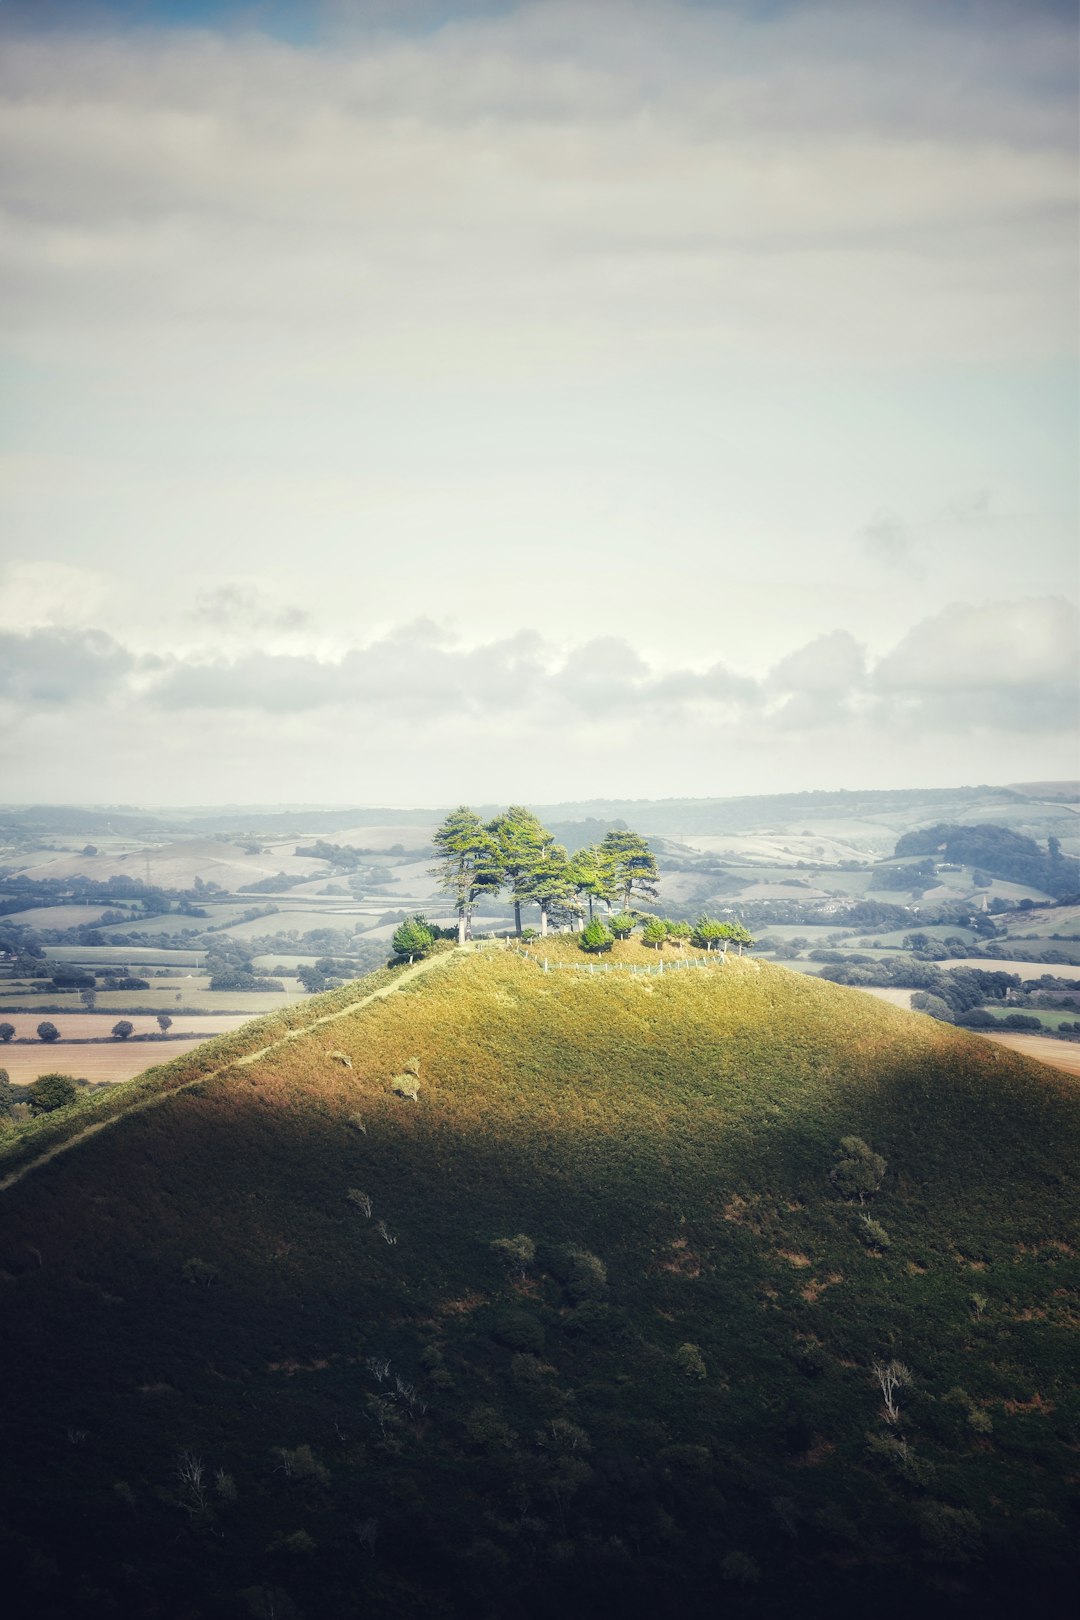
(999, 852)
(515, 852)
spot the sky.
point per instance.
(410, 403)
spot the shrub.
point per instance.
(621, 925)
(518, 1330)
(583, 1275)
(690, 1361)
(654, 933)
(7, 1099)
(738, 1567)
(200, 1272)
(413, 938)
(872, 1233)
(708, 932)
(7, 1032)
(595, 937)
(520, 1250)
(678, 931)
(51, 1091)
(977, 1018)
(858, 1170)
(952, 1535)
(47, 1031)
(123, 1029)
(934, 1006)
(405, 1085)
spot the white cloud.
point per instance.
(581, 177)
(987, 646)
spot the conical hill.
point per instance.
(531, 1293)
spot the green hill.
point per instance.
(587, 1326)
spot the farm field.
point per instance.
(287, 919)
(1009, 964)
(250, 1003)
(99, 1059)
(895, 998)
(1064, 1055)
(83, 1026)
(111, 1062)
(175, 922)
(73, 916)
(121, 955)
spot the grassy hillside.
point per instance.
(586, 1327)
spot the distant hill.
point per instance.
(526, 1293)
(999, 852)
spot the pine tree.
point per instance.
(594, 875)
(551, 886)
(468, 864)
(633, 864)
(522, 841)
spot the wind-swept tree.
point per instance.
(521, 840)
(551, 886)
(468, 864)
(594, 875)
(633, 866)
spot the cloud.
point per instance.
(886, 541)
(996, 665)
(540, 183)
(416, 706)
(39, 593)
(61, 668)
(243, 607)
(986, 646)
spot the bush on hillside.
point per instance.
(7, 1096)
(858, 1170)
(654, 933)
(413, 938)
(583, 1275)
(595, 937)
(708, 932)
(621, 924)
(51, 1091)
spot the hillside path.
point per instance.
(411, 972)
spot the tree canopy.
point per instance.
(515, 851)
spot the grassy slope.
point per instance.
(681, 1129)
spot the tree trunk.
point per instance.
(543, 920)
(461, 926)
(517, 916)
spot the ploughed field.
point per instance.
(87, 1051)
(522, 1293)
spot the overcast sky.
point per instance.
(406, 402)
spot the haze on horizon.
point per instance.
(407, 403)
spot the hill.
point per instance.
(595, 1323)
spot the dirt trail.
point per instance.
(408, 973)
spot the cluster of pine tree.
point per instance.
(516, 852)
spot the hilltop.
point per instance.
(514, 1293)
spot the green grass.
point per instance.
(553, 1447)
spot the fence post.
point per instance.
(545, 964)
